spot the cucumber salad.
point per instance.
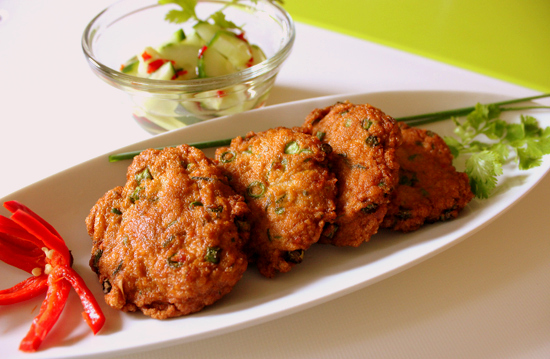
(205, 47)
(208, 51)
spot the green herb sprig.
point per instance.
(486, 143)
(187, 12)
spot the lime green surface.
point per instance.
(505, 39)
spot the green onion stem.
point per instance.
(516, 108)
(207, 144)
(462, 112)
(466, 110)
(415, 120)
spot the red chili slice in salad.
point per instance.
(145, 56)
(202, 50)
(155, 65)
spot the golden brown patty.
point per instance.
(364, 140)
(167, 243)
(284, 177)
(430, 189)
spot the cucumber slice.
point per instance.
(194, 39)
(131, 66)
(184, 56)
(144, 63)
(206, 30)
(257, 55)
(219, 100)
(165, 72)
(166, 122)
(212, 64)
(176, 38)
(233, 48)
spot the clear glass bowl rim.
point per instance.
(145, 84)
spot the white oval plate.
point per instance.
(326, 273)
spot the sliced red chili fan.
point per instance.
(30, 243)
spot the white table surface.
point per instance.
(487, 297)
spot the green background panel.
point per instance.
(505, 39)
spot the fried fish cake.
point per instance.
(364, 141)
(430, 189)
(284, 177)
(168, 243)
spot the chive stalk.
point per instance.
(415, 120)
(441, 115)
(206, 144)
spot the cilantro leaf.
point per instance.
(219, 19)
(482, 169)
(186, 13)
(487, 142)
(501, 150)
(454, 145)
(477, 116)
(531, 126)
(177, 16)
(515, 132)
(495, 129)
(528, 158)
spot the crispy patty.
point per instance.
(284, 176)
(364, 141)
(430, 189)
(168, 243)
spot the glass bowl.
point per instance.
(128, 26)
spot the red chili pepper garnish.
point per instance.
(145, 56)
(27, 289)
(30, 243)
(13, 256)
(202, 50)
(13, 206)
(52, 306)
(92, 313)
(16, 235)
(155, 65)
(221, 93)
(37, 229)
